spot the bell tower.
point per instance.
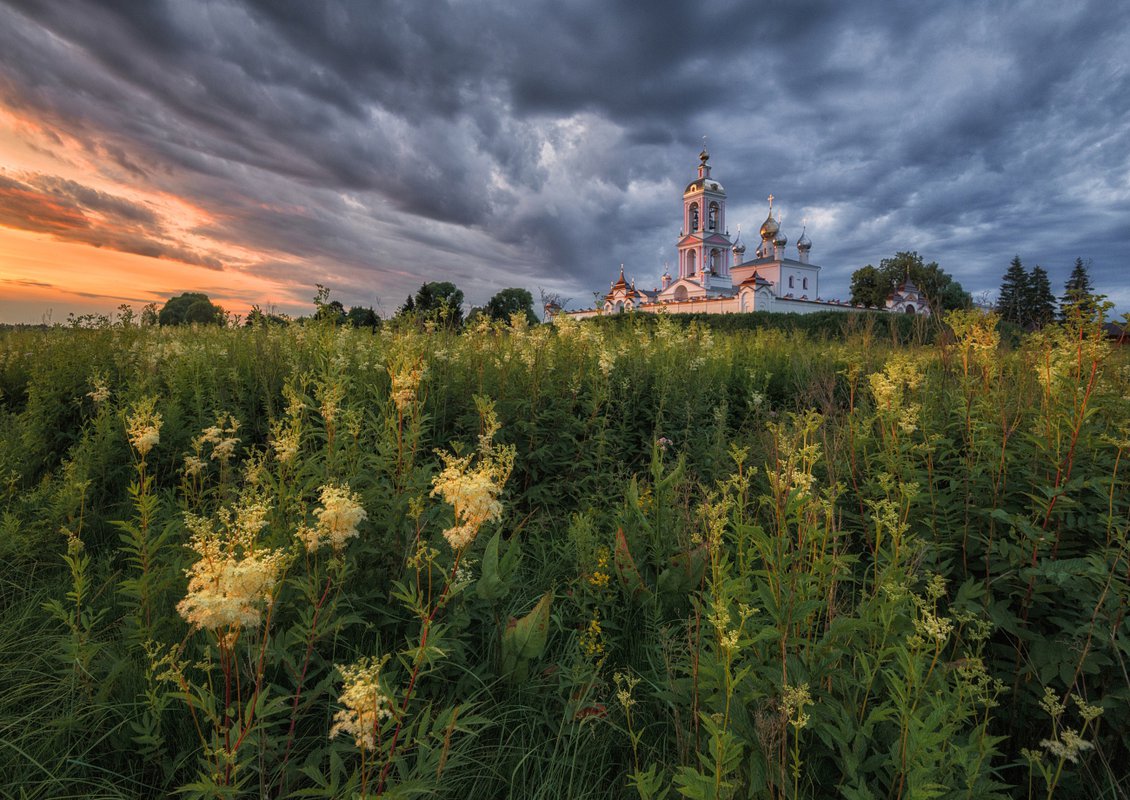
(705, 249)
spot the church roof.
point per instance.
(755, 280)
(704, 183)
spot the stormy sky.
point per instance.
(255, 149)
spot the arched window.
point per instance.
(713, 218)
(909, 308)
(714, 256)
(690, 262)
(804, 283)
(790, 281)
(680, 292)
(694, 217)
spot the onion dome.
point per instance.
(739, 248)
(803, 244)
(781, 240)
(770, 227)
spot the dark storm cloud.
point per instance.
(532, 144)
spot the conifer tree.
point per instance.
(1040, 301)
(1011, 304)
(1077, 291)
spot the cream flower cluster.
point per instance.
(794, 699)
(894, 387)
(143, 426)
(286, 437)
(222, 437)
(338, 518)
(101, 391)
(233, 579)
(405, 386)
(473, 491)
(366, 704)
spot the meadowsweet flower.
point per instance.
(894, 387)
(233, 578)
(143, 426)
(1052, 704)
(473, 491)
(101, 392)
(794, 699)
(366, 703)
(284, 441)
(1088, 712)
(331, 395)
(338, 518)
(193, 465)
(977, 339)
(625, 684)
(796, 455)
(607, 360)
(405, 385)
(933, 628)
(1067, 745)
(936, 588)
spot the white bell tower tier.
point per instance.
(705, 249)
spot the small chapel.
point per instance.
(713, 275)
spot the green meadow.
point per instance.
(637, 558)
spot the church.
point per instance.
(714, 276)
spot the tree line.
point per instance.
(436, 302)
(1026, 298)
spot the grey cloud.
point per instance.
(960, 127)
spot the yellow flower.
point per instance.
(592, 639)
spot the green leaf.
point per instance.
(524, 639)
(490, 586)
(626, 567)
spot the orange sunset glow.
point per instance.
(75, 237)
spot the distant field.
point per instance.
(626, 559)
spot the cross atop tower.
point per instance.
(770, 204)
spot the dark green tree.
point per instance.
(363, 318)
(439, 301)
(869, 287)
(190, 307)
(257, 316)
(1078, 292)
(872, 286)
(332, 311)
(512, 301)
(1040, 300)
(1012, 302)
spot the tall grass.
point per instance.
(727, 563)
